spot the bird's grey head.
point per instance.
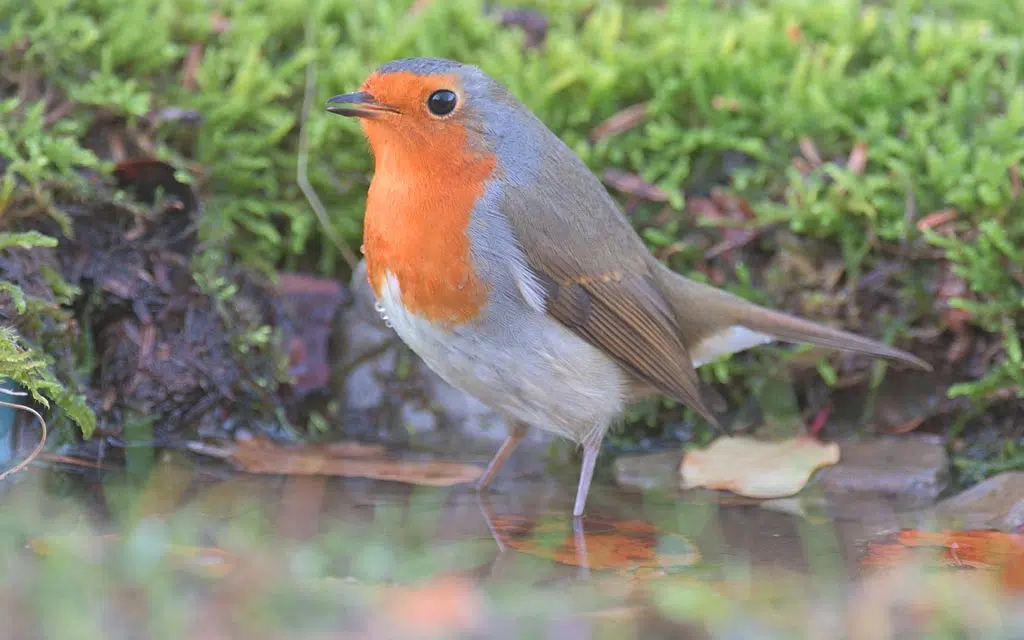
(416, 103)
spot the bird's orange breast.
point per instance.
(417, 217)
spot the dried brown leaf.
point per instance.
(193, 59)
(621, 122)
(725, 103)
(703, 208)
(858, 160)
(937, 219)
(810, 151)
(259, 455)
(634, 185)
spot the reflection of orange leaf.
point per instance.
(440, 608)
(755, 468)
(259, 455)
(969, 549)
(606, 543)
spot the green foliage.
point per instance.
(932, 90)
(33, 371)
(26, 240)
(26, 364)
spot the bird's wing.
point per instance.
(598, 282)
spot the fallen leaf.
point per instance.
(634, 185)
(703, 208)
(732, 205)
(417, 7)
(979, 549)
(937, 219)
(219, 23)
(735, 238)
(722, 103)
(620, 122)
(858, 160)
(755, 468)
(260, 455)
(193, 60)
(602, 542)
(810, 152)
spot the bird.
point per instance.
(500, 259)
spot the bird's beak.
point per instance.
(359, 104)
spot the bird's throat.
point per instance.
(416, 227)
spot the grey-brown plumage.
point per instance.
(580, 318)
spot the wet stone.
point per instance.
(898, 473)
(995, 503)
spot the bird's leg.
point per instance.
(590, 451)
(516, 433)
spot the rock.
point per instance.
(900, 473)
(305, 308)
(648, 470)
(390, 390)
(996, 503)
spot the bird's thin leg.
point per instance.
(516, 433)
(590, 451)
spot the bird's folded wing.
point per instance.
(599, 288)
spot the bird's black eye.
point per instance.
(442, 102)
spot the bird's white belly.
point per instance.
(520, 362)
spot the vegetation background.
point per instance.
(853, 161)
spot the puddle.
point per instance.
(202, 551)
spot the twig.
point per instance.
(42, 440)
(303, 160)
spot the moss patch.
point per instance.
(872, 152)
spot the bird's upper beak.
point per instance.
(359, 104)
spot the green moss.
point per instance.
(933, 90)
(34, 372)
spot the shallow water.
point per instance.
(200, 550)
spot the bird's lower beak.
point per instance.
(359, 104)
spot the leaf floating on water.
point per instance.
(259, 455)
(755, 468)
(605, 543)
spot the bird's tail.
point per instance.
(720, 323)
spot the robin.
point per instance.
(502, 261)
